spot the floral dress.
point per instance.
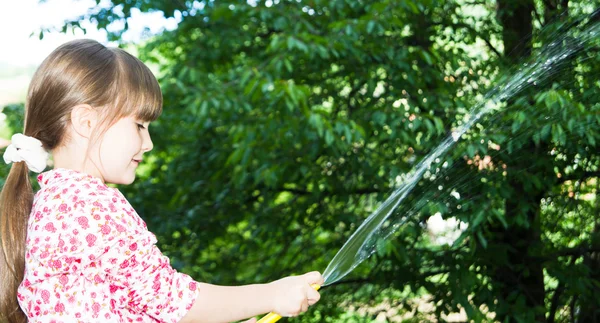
(90, 258)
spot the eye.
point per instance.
(141, 126)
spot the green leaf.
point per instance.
(482, 239)
(427, 57)
(329, 138)
(471, 151)
(545, 132)
(288, 65)
(370, 26)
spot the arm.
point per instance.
(289, 296)
(152, 287)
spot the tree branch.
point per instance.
(555, 301)
(370, 280)
(576, 251)
(572, 307)
(182, 5)
(537, 16)
(578, 177)
(470, 28)
(476, 3)
(359, 191)
(351, 95)
(350, 281)
(549, 4)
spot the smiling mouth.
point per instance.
(137, 161)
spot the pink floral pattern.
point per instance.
(90, 258)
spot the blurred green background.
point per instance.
(287, 122)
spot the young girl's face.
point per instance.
(121, 149)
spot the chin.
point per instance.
(125, 180)
(128, 180)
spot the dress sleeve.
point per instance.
(152, 286)
(90, 258)
(94, 258)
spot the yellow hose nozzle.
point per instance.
(274, 317)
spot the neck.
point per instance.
(74, 157)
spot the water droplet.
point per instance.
(455, 194)
(455, 135)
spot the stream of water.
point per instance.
(547, 63)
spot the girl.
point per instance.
(77, 251)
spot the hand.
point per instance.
(252, 320)
(293, 295)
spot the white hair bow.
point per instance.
(27, 149)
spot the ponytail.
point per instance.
(16, 201)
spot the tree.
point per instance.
(285, 122)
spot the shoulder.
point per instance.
(71, 188)
(68, 194)
(84, 209)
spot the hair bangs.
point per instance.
(138, 91)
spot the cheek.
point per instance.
(131, 147)
(120, 145)
(137, 142)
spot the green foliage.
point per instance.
(13, 123)
(287, 122)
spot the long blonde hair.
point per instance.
(78, 72)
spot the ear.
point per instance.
(84, 119)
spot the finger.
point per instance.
(304, 307)
(314, 277)
(313, 296)
(295, 312)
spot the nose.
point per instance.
(147, 144)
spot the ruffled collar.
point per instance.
(59, 175)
